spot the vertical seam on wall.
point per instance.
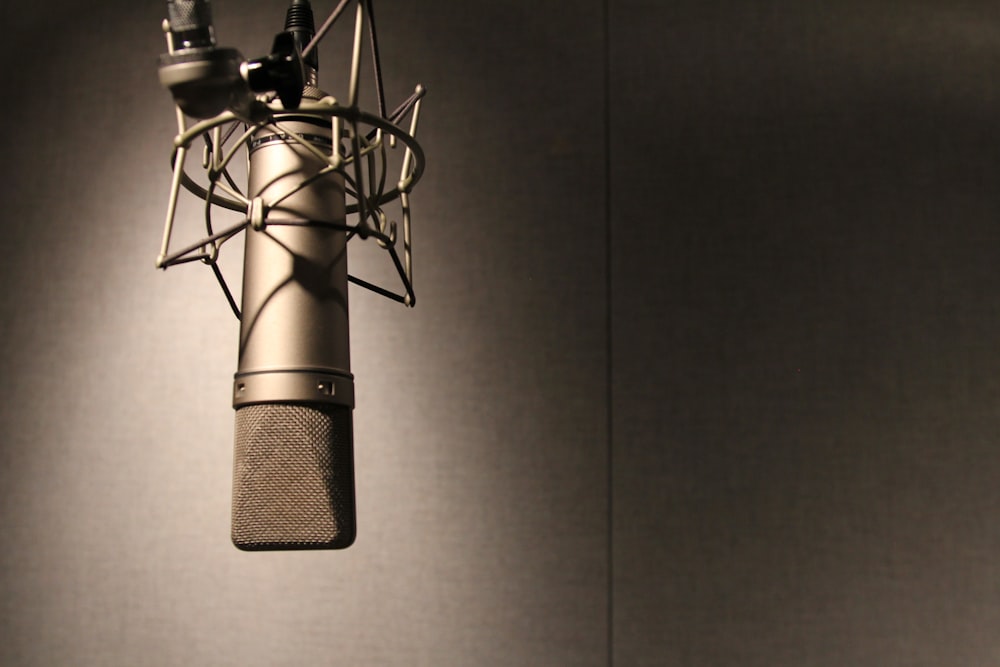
(609, 331)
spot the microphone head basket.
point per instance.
(365, 147)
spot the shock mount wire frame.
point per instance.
(361, 158)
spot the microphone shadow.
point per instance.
(315, 278)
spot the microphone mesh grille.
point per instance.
(293, 477)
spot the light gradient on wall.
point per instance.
(480, 500)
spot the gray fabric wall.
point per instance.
(805, 322)
(701, 372)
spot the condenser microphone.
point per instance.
(293, 477)
(311, 163)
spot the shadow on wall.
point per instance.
(804, 363)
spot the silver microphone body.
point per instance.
(293, 475)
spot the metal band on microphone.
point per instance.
(293, 386)
(315, 139)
